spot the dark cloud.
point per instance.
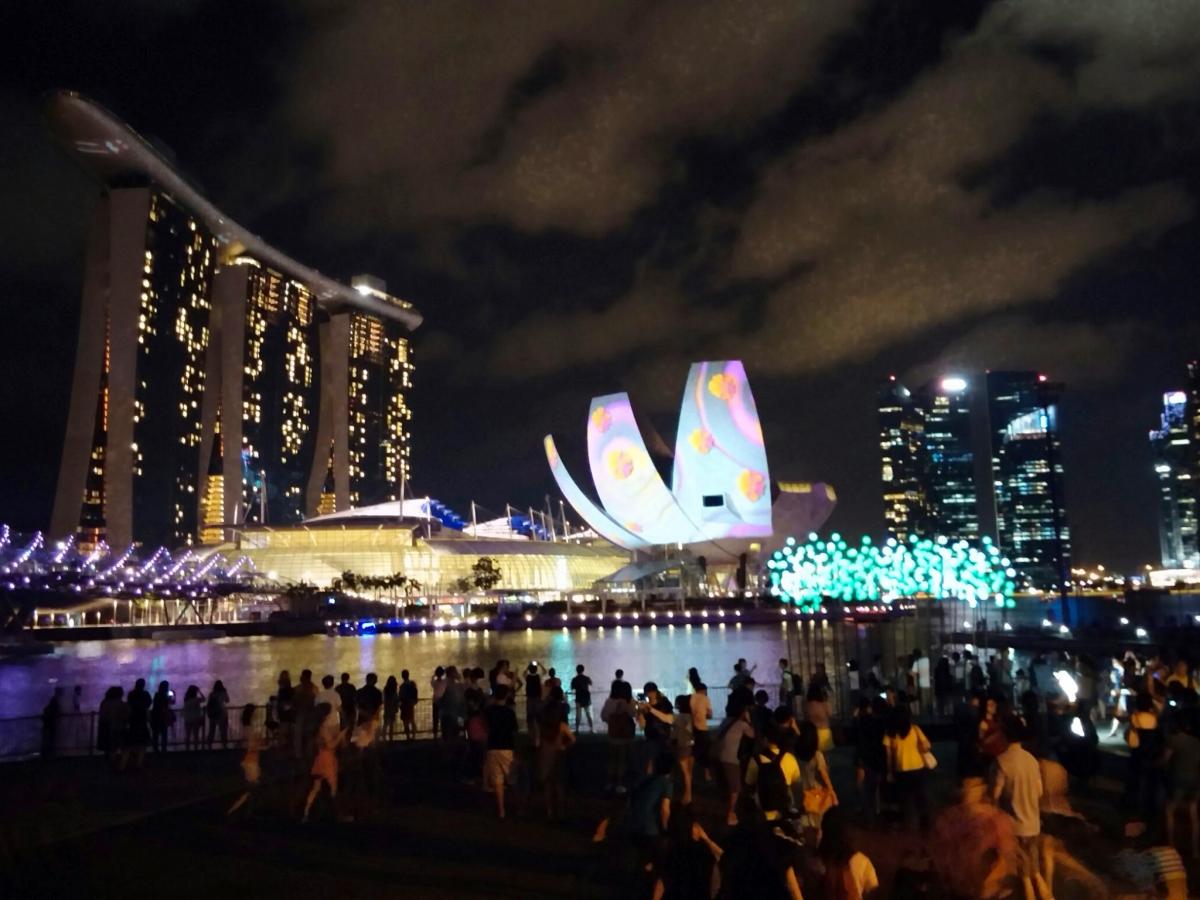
(408, 95)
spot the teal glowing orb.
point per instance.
(806, 574)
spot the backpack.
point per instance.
(773, 792)
(620, 725)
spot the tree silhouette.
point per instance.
(485, 573)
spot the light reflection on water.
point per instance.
(249, 666)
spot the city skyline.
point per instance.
(591, 208)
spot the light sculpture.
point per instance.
(806, 574)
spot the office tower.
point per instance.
(207, 390)
(949, 463)
(1027, 471)
(1192, 412)
(902, 447)
(1174, 468)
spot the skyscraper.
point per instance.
(949, 466)
(1027, 471)
(210, 387)
(1174, 462)
(902, 448)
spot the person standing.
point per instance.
(453, 706)
(349, 694)
(391, 706)
(735, 730)
(921, 681)
(683, 744)
(501, 724)
(1017, 787)
(816, 710)
(655, 716)
(285, 706)
(618, 714)
(846, 872)
(305, 698)
(408, 705)
(369, 699)
(251, 771)
(162, 717)
(906, 746)
(533, 700)
(787, 683)
(437, 687)
(555, 739)
(581, 688)
(619, 679)
(217, 711)
(700, 708)
(329, 695)
(1183, 778)
(943, 687)
(139, 702)
(193, 717)
(113, 720)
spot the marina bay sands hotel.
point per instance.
(217, 381)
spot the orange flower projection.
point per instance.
(702, 440)
(723, 386)
(751, 484)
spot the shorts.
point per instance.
(824, 739)
(497, 769)
(683, 752)
(406, 713)
(731, 774)
(700, 745)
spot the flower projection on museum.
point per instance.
(720, 493)
(806, 574)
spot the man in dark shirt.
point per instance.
(656, 714)
(369, 699)
(501, 741)
(349, 695)
(581, 687)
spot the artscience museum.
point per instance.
(721, 512)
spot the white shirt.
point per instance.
(920, 670)
(1019, 784)
(330, 696)
(863, 872)
(733, 739)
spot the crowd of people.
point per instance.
(1020, 733)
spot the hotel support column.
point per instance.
(85, 386)
(333, 420)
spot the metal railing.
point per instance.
(79, 734)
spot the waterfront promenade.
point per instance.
(72, 828)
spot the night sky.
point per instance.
(584, 197)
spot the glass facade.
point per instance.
(902, 449)
(1174, 468)
(378, 411)
(953, 509)
(279, 395)
(173, 334)
(1027, 471)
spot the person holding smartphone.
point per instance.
(655, 715)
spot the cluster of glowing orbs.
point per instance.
(806, 574)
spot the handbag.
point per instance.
(817, 800)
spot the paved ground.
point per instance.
(72, 828)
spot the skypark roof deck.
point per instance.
(112, 151)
